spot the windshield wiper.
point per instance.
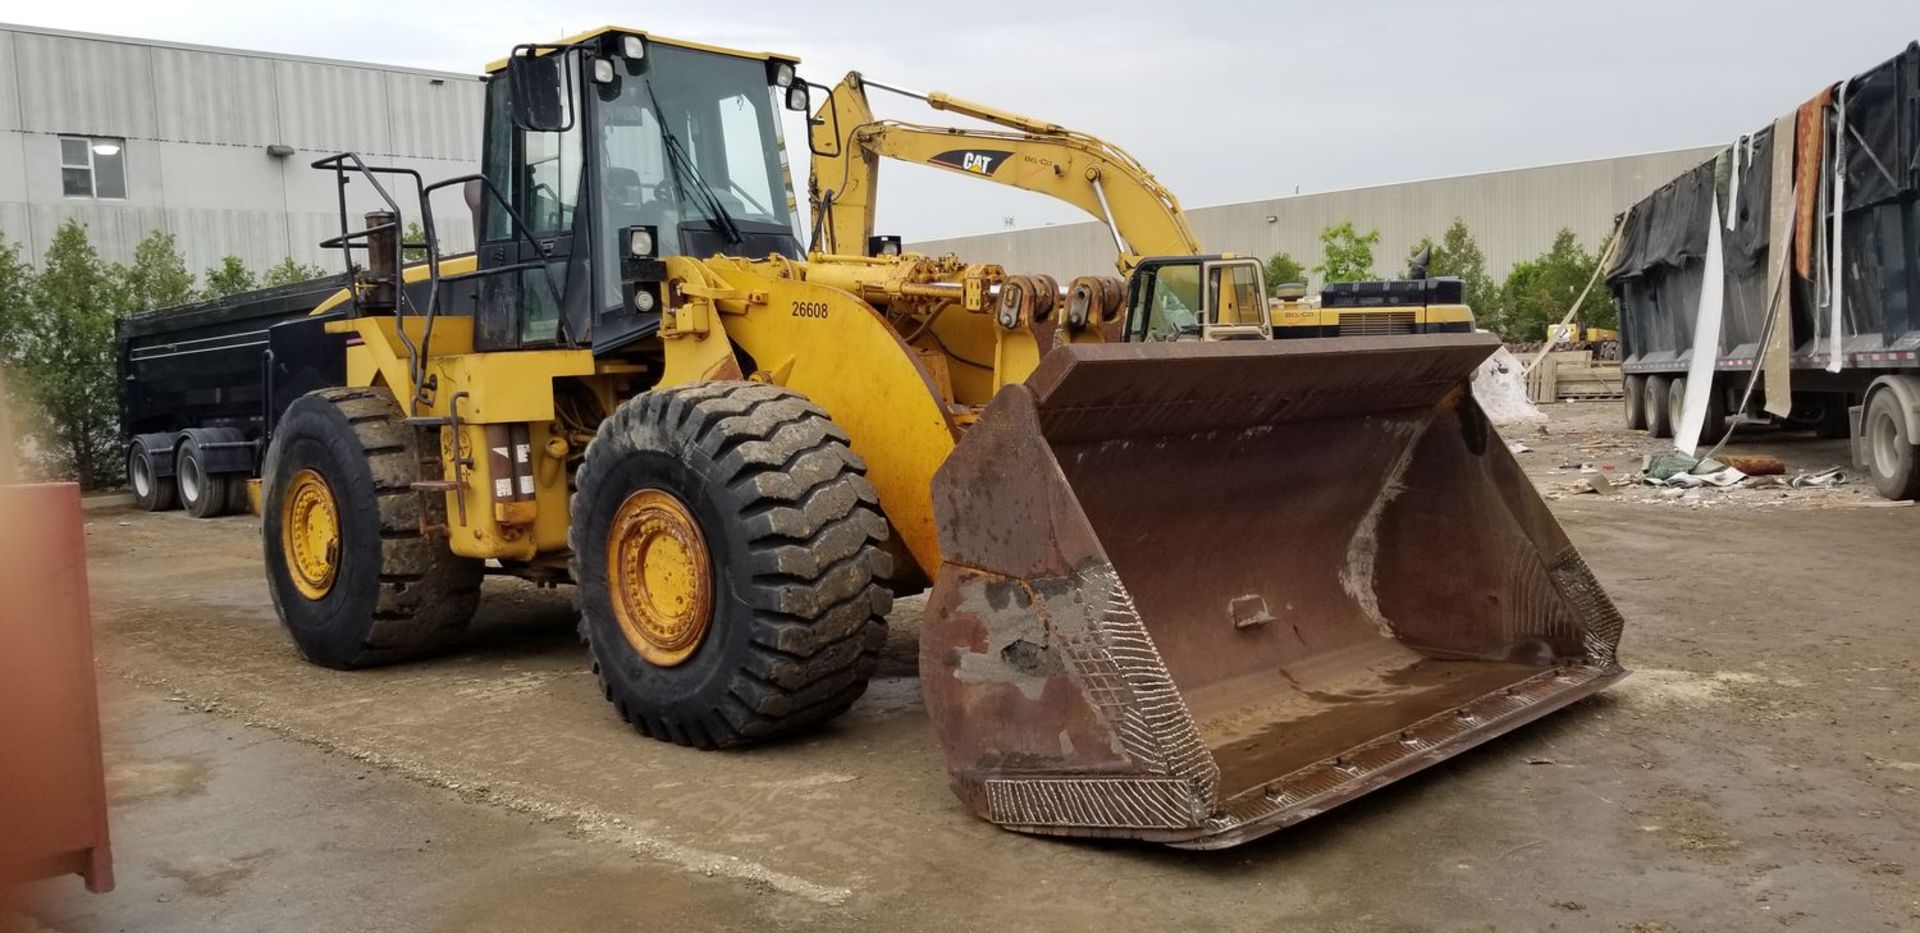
(683, 172)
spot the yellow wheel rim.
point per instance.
(310, 534)
(659, 576)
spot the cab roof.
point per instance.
(500, 65)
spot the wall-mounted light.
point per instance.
(280, 151)
(436, 82)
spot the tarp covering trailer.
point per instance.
(1854, 145)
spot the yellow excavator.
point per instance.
(1156, 250)
(1182, 591)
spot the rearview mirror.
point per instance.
(542, 99)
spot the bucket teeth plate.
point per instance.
(1196, 592)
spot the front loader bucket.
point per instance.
(1196, 592)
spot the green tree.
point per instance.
(16, 302)
(1283, 268)
(66, 367)
(1347, 254)
(413, 234)
(230, 277)
(1539, 291)
(1458, 255)
(288, 272)
(158, 277)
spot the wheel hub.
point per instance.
(659, 576)
(310, 534)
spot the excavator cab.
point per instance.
(1197, 298)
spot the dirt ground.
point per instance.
(1758, 770)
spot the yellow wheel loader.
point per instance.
(1182, 591)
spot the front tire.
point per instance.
(355, 576)
(728, 550)
(1892, 459)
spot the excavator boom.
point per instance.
(1033, 155)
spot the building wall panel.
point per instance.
(1514, 215)
(223, 100)
(74, 85)
(434, 118)
(333, 108)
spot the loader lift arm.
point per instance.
(847, 142)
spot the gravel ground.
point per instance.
(1757, 771)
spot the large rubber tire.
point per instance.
(1892, 459)
(1677, 405)
(150, 492)
(202, 494)
(794, 538)
(398, 593)
(1633, 389)
(1656, 402)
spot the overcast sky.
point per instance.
(1224, 101)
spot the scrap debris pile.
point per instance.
(1580, 453)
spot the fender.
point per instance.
(837, 350)
(1904, 388)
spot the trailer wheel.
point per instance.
(729, 555)
(151, 491)
(202, 494)
(355, 576)
(1633, 390)
(1659, 423)
(1890, 452)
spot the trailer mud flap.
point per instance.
(1193, 593)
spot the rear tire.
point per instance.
(1676, 405)
(1888, 449)
(151, 492)
(791, 610)
(1633, 391)
(1655, 405)
(202, 494)
(393, 592)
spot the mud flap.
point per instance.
(1196, 592)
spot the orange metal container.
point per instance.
(53, 800)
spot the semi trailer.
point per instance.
(202, 384)
(1835, 302)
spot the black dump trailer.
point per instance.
(202, 384)
(1657, 274)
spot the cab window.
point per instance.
(1234, 291)
(1173, 305)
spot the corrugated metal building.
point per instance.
(1514, 215)
(212, 145)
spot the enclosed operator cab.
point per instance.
(1197, 298)
(612, 150)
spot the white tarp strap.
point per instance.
(1776, 351)
(1706, 340)
(1733, 182)
(1836, 282)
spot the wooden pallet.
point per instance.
(1569, 375)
